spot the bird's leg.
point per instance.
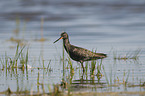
(82, 66)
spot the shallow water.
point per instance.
(105, 26)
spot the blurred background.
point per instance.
(102, 25)
(109, 18)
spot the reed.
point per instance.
(22, 62)
(69, 89)
(43, 63)
(6, 60)
(93, 67)
(38, 78)
(126, 81)
(19, 60)
(42, 84)
(49, 88)
(42, 39)
(130, 55)
(63, 58)
(99, 66)
(105, 75)
(17, 30)
(111, 77)
(2, 62)
(17, 55)
(86, 68)
(26, 60)
(42, 22)
(56, 91)
(48, 66)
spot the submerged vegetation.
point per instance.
(68, 85)
(129, 55)
(73, 81)
(22, 30)
(91, 79)
(19, 60)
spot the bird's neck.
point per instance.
(66, 44)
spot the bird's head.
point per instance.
(64, 35)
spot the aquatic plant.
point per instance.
(93, 67)
(134, 55)
(17, 30)
(20, 60)
(105, 75)
(86, 68)
(18, 54)
(42, 39)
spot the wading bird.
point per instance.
(77, 53)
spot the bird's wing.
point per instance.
(84, 53)
(81, 51)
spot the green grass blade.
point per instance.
(26, 59)
(105, 75)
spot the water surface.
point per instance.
(104, 26)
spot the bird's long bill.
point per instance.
(58, 39)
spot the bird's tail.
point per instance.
(101, 55)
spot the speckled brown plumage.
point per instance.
(77, 53)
